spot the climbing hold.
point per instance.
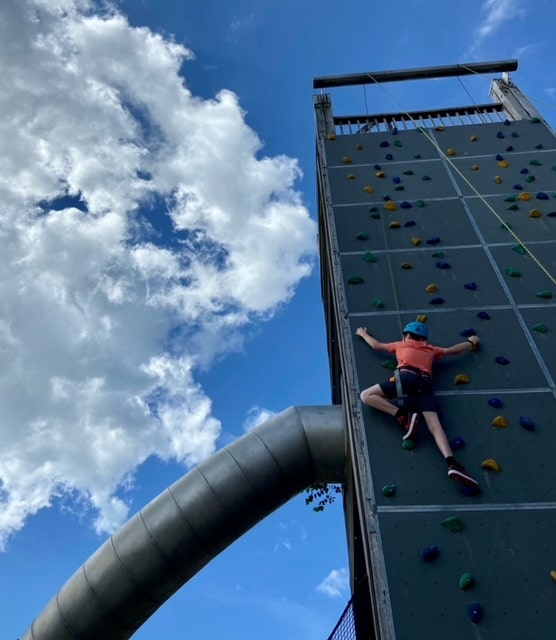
(359, 147)
(355, 280)
(351, 176)
(526, 423)
(515, 134)
(362, 236)
(470, 286)
(397, 143)
(496, 403)
(408, 444)
(491, 465)
(535, 213)
(470, 491)
(377, 303)
(330, 136)
(513, 273)
(347, 160)
(394, 225)
(384, 144)
(538, 146)
(425, 178)
(510, 148)
(415, 241)
(530, 178)
(500, 422)
(506, 225)
(431, 288)
(524, 170)
(443, 265)
(389, 205)
(408, 172)
(468, 332)
(473, 138)
(421, 318)
(399, 187)
(519, 248)
(369, 257)
(410, 223)
(389, 490)
(476, 612)
(375, 215)
(540, 327)
(437, 301)
(498, 179)
(440, 127)
(429, 553)
(512, 207)
(368, 189)
(373, 208)
(457, 443)
(499, 157)
(518, 187)
(389, 364)
(453, 524)
(511, 198)
(419, 203)
(501, 360)
(524, 195)
(504, 164)
(542, 196)
(405, 205)
(451, 152)
(483, 315)
(416, 156)
(544, 294)
(551, 214)
(466, 581)
(377, 167)
(534, 120)
(406, 265)
(394, 131)
(462, 378)
(499, 134)
(434, 240)
(474, 167)
(553, 575)
(380, 174)
(389, 156)
(438, 254)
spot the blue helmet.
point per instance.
(418, 328)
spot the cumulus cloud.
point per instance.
(138, 224)
(256, 416)
(336, 583)
(496, 13)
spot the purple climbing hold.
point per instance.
(437, 301)
(384, 143)
(468, 332)
(483, 315)
(499, 135)
(470, 286)
(441, 264)
(542, 196)
(510, 148)
(457, 443)
(524, 170)
(527, 423)
(501, 360)
(429, 553)
(434, 240)
(476, 612)
(518, 187)
(396, 180)
(495, 403)
(499, 157)
(410, 223)
(389, 156)
(406, 205)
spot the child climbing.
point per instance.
(413, 379)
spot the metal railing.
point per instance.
(345, 627)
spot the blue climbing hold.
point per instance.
(499, 157)
(434, 240)
(476, 612)
(518, 187)
(470, 286)
(495, 403)
(437, 300)
(527, 423)
(542, 196)
(468, 332)
(470, 491)
(443, 265)
(378, 167)
(405, 205)
(396, 180)
(483, 315)
(510, 148)
(457, 443)
(507, 122)
(386, 198)
(501, 360)
(551, 214)
(499, 134)
(524, 170)
(429, 553)
(410, 223)
(389, 156)
(384, 144)
(394, 130)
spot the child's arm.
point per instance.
(372, 342)
(470, 344)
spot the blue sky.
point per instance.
(160, 292)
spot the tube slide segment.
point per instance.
(156, 552)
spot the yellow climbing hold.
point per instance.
(368, 189)
(359, 147)
(498, 179)
(389, 205)
(473, 138)
(474, 167)
(451, 152)
(553, 575)
(421, 318)
(462, 378)
(524, 195)
(415, 241)
(491, 465)
(500, 421)
(535, 213)
(440, 127)
(351, 176)
(380, 174)
(504, 164)
(406, 265)
(394, 225)
(347, 160)
(331, 136)
(431, 288)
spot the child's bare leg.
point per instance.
(438, 433)
(374, 397)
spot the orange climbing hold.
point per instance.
(535, 213)
(504, 164)
(491, 465)
(462, 378)
(500, 422)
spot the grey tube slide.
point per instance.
(134, 572)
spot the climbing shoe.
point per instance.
(458, 473)
(410, 426)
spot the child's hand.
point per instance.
(361, 331)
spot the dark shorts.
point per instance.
(417, 391)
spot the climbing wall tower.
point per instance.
(448, 214)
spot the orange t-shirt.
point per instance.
(415, 353)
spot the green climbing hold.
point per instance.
(377, 303)
(389, 490)
(530, 178)
(539, 145)
(453, 524)
(369, 257)
(355, 280)
(362, 236)
(425, 177)
(397, 143)
(390, 364)
(408, 444)
(506, 225)
(399, 187)
(515, 134)
(416, 156)
(408, 172)
(535, 162)
(519, 248)
(511, 198)
(513, 273)
(544, 294)
(466, 581)
(419, 203)
(375, 215)
(540, 327)
(534, 120)
(438, 254)
(373, 208)
(512, 207)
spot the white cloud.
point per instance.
(104, 320)
(336, 583)
(496, 14)
(256, 416)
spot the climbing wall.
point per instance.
(458, 225)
